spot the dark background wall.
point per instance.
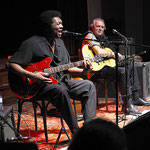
(18, 19)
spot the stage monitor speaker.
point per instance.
(7, 124)
(138, 133)
(143, 71)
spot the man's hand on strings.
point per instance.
(42, 78)
(87, 65)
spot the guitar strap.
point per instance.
(64, 77)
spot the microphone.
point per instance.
(119, 34)
(11, 139)
(141, 53)
(71, 33)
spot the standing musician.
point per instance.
(108, 72)
(47, 45)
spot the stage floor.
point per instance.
(27, 127)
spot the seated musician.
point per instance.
(97, 28)
(47, 50)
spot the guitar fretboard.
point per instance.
(63, 67)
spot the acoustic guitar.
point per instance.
(88, 53)
(26, 88)
(111, 62)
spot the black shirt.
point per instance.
(37, 48)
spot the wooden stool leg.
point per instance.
(119, 95)
(19, 113)
(35, 115)
(106, 100)
(75, 111)
(96, 85)
(44, 119)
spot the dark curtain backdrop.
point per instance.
(75, 19)
(18, 19)
(113, 14)
(146, 30)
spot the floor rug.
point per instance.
(27, 127)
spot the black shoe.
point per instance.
(80, 117)
(131, 109)
(140, 102)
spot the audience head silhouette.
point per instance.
(98, 134)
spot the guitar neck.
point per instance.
(63, 67)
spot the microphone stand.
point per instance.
(126, 73)
(116, 55)
(117, 81)
(125, 42)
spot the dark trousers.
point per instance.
(60, 95)
(132, 85)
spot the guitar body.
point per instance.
(25, 87)
(88, 54)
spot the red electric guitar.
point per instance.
(27, 88)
